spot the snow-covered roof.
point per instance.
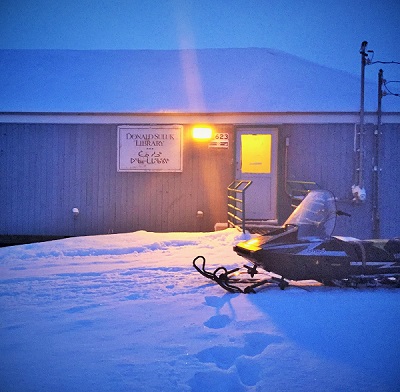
(251, 80)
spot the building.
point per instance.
(95, 142)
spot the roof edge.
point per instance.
(189, 118)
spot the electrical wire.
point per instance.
(385, 83)
(388, 90)
(384, 62)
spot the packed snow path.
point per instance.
(128, 312)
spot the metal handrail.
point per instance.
(298, 190)
(237, 203)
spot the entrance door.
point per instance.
(256, 160)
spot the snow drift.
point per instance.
(127, 312)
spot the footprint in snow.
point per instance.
(219, 302)
(223, 357)
(248, 371)
(243, 358)
(218, 321)
(215, 381)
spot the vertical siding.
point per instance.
(48, 169)
(321, 153)
(324, 153)
(389, 181)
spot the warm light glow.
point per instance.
(202, 132)
(256, 153)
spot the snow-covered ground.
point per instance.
(128, 312)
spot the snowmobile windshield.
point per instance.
(315, 217)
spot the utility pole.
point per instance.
(358, 188)
(376, 168)
(364, 55)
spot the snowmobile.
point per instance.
(305, 249)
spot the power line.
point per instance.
(385, 83)
(369, 61)
(383, 62)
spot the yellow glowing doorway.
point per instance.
(256, 153)
(256, 160)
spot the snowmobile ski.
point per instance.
(232, 280)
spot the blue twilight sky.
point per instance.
(328, 32)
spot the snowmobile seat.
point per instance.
(393, 246)
(364, 250)
(376, 253)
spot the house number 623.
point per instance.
(222, 136)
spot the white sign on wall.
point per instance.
(150, 148)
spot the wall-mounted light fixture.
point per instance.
(202, 132)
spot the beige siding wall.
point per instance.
(48, 169)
